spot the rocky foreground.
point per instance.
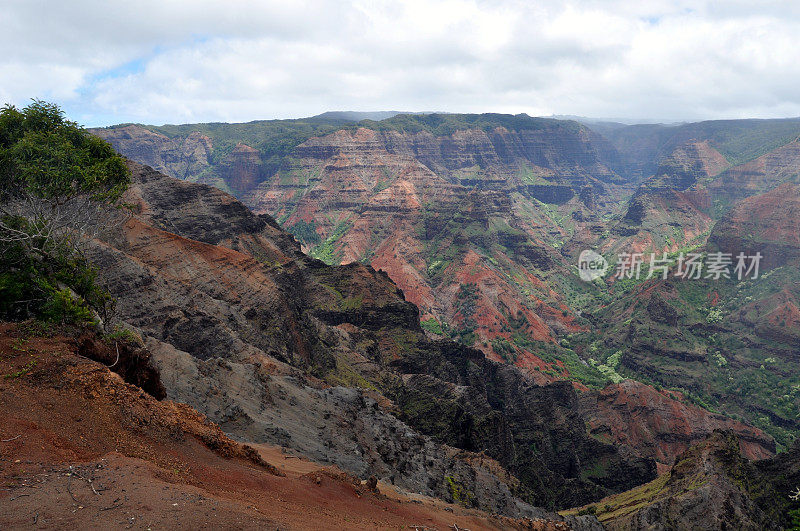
(80, 447)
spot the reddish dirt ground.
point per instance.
(81, 448)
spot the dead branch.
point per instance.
(12, 439)
(116, 344)
(89, 481)
(69, 481)
(117, 503)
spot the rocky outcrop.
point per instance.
(710, 340)
(653, 423)
(184, 158)
(242, 168)
(671, 209)
(126, 357)
(75, 435)
(336, 425)
(760, 175)
(694, 186)
(436, 212)
(711, 486)
(468, 243)
(686, 165)
(768, 223)
(470, 402)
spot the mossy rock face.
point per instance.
(458, 493)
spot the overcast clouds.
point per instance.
(165, 61)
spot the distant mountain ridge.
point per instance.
(356, 116)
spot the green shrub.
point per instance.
(55, 181)
(432, 325)
(59, 289)
(305, 232)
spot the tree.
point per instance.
(55, 177)
(58, 186)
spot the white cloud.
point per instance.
(181, 61)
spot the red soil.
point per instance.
(81, 448)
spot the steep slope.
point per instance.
(654, 423)
(767, 223)
(671, 210)
(251, 332)
(710, 487)
(206, 152)
(81, 448)
(473, 253)
(763, 174)
(695, 174)
(643, 146)
(731, 344)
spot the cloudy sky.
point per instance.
(165, 61)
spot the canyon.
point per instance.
(395, 303)
(479, 219)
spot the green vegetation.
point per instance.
(45, 157)
(738, 140)
(305, 232)
(527, 176)
(723, 347)
(432, 325)
(56, 182)
(326, 251)
(274, 139)
(380, 186)
(459, 493)
(447, 124)
(345, 375)
(609, 368)
(794, 520)
(624, 503)
(505, 349)
(352, 303)
(23, 371)
(744, 140)
(123, 335)
(427, 413)
(579, 370)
